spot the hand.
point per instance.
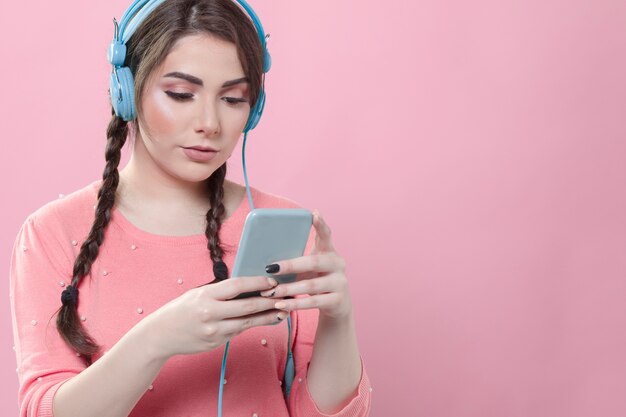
(321, 274)
(206, 317)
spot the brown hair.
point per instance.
(147, 48)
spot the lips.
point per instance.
(202, 148)
(198, 155)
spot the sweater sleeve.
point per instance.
(39, 272)
(301, 403)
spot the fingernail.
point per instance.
(272, 281)
(269, 295)
(271, 269)
(281, 316)
(280, 305)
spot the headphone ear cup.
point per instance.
(127, 105)
(123, 94)
(114, 93)
(256, 112)
(267, 61)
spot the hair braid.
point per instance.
(68, 322)
(214, 217)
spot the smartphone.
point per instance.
(270, 235)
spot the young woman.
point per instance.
(146, 335)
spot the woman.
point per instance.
(141, 237)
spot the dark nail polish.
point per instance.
(271, 269)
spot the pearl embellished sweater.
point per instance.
(135, 273)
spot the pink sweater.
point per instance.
(137, 272)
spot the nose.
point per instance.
(208, 120)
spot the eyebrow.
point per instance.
(198, 81)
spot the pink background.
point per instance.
(470, 158)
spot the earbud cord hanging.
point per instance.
(289, 366)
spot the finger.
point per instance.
(323, 240)
(318, 262)
(324, 284)
(241, 307)
(239, 324)
(306, 275)
(232, 287)
(306, 303)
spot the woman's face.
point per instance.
(190, 101)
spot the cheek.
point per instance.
(159, 113)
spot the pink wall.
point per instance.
(470, 158)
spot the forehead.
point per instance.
(212, 59)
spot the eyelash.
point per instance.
(186, 96)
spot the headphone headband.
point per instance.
(139, 9)
(134, 15)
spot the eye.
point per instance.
(235, 101)
(179, 96)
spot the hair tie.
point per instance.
(70, 295)
(220, 270)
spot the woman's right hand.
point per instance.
(206, 317)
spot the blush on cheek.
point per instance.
(160, 114)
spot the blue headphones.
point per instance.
(122, 87)
(123, 101)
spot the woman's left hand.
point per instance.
(320, 274)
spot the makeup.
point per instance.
(199, 156)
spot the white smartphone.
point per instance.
(271, 235)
